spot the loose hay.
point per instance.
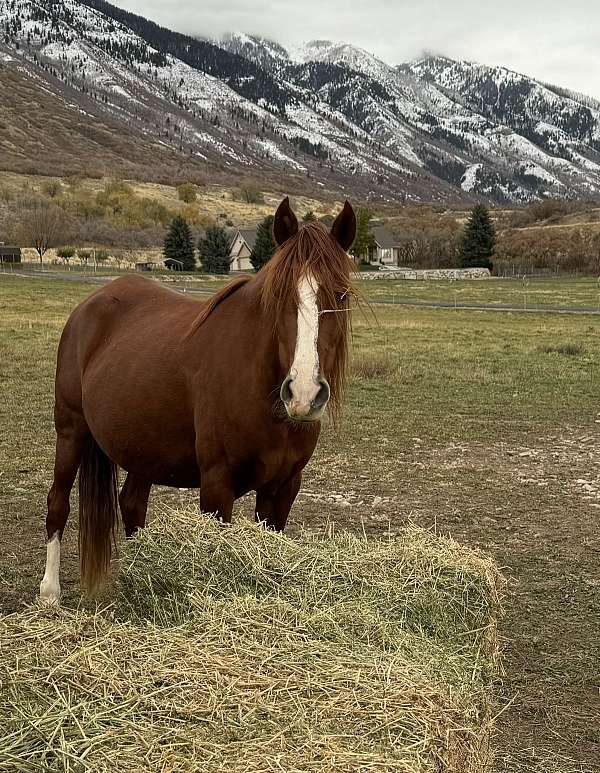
(233, 649)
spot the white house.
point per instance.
(241, 246)
(386, 250)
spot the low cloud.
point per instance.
(550, 40)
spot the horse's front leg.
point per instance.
(273, 506)
(216, 493)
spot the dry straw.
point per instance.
(233, 649)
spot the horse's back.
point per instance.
(98, 318)
(127, 295)
(118, 321)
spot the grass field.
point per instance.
(478, 424)
(518, 292)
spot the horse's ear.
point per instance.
(343, 229)
(285, 223)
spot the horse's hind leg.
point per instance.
(71, 435)
(133, 501)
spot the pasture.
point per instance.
(473, 423)
(521, 293)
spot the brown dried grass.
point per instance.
(261, 653)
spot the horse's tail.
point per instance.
(98, 512)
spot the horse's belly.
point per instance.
(167, 463)
(180, 475)
(143, 431)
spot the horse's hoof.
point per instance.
(49, 594)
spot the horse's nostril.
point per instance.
(285, 392)
(322, 395)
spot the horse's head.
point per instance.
(308, 285)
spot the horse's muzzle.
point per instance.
(305, 405)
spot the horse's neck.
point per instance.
(240, 332)
(260, 329)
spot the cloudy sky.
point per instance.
(553, 40)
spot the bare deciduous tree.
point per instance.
(43, 226)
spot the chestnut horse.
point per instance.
(226, 394)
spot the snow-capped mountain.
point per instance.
(330, 113)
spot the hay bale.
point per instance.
(370, 590)
(240, 650)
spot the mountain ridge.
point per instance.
(332, 114)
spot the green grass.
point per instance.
(451, 370)
(474, 366)
(556, 292)
(533, 292)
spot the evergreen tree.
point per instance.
(179, 247)
(308, 216)
(264, 246)
(479, 238)
(364, 240)
(214, 251)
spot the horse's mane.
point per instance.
(314, 251)
(311, 251)
(210, 305)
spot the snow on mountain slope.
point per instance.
(433, 129)
(264, 53)
(467, 109)
(192, 109)
(353, 57)
(554, 127)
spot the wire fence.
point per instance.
(528, 292)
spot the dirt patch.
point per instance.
(535, 508)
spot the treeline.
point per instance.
(570, 250)
(551, 236)
(544, 250)
(550, 211)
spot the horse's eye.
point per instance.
(341, 297)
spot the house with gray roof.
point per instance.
(386, 250)
(242, 244)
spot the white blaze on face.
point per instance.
(305, 367)
(50, 585)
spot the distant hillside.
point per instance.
(324, 114)
(49, 128)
